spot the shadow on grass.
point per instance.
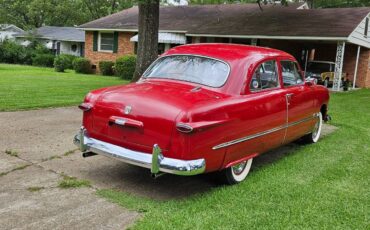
(137, 181)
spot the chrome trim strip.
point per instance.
(250, 137)
(156, 162)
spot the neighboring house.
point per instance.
(340, 35)
(9, 31)
(61, 40)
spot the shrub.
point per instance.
(63, 61)
(44, 60)
(40, 49)
(125, 66)
(60, 63)
(14, 53)
(106, 68)
(69, 60)
(82, 65)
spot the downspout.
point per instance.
(355, 74)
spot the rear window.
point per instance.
(190, 68)
(318, 67)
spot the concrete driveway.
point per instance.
(40, 153)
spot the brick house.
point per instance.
(339, 35)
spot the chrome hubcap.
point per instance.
(239, 168)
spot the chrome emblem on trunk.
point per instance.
(128, 109)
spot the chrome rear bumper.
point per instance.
(156, 162)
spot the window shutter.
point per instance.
(366, 27)
(95, 41)
(115, 42)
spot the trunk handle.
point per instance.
(123, 121)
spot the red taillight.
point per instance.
(85, 106)
(184, 128)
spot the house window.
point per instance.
(106, 41)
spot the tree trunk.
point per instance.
(310, 4)
(147, 50)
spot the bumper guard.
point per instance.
(156, 162)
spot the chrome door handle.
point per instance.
(288, 98)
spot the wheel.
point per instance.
(237, 173)
(314, 136)
(326, 83)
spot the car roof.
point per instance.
(226, 52)
(324, 62)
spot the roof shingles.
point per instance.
(243, 19)
(59, 33)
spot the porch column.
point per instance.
(338, 65)
(355, 75)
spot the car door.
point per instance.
(261, 114)
(299, 101)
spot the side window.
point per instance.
(265, 77)
(290, 72)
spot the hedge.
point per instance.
(44, 60)
(63, 61)
(82, 65)
(125, 66)
(106, 68)
(13, 53)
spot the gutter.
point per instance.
(271, 37)
(227, 36)
(50, 38)
(128, 30)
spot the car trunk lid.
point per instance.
(142, 114)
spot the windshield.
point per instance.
(202, 70)
(317, 67)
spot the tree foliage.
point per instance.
(36, 13)
(314, 3)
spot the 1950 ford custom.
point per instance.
(202, 108)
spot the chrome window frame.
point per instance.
(277, 75)
(282, 78)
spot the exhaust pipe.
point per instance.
(88, 154)
(327, 118)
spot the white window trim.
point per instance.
(99, 42)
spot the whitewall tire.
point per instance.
(237, 173)
(314, 136)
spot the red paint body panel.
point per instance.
(217, 115)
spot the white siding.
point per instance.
(66, 48)
(7, 35)
(357, 36)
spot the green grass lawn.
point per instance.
(28, 87)
(320, 186)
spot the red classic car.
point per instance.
(202, 108)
